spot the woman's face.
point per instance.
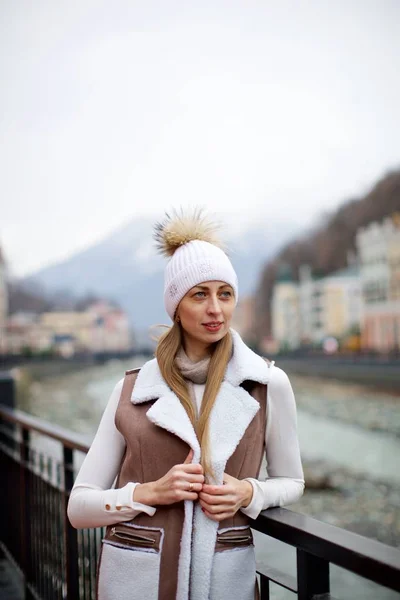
(206, 312)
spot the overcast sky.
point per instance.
(273, 109)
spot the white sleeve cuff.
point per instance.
(253, 509)
(121, 501)
(91, 506)
(275, 491)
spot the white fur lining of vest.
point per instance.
(231, 574)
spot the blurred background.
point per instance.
(280, 118)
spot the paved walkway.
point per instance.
(10, 584)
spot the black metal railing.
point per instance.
(58, 562)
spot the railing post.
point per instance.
(7, 397)
(7, 389)
(312, 576)
(264, 587)
(71, 535)
(25, 533)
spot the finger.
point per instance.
(195, 487)
(210, 499)
(195, 478)
(192, 486)
(216, 490)
(189, 496)
(192, 468)
(183, 484)
(218, 517)
(189, 457)
(215, 509)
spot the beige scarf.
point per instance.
(196, 372)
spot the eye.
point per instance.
(199, 294)
(226, 294)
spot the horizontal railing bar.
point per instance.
(286, 581)
(366, 557)
(279, 577)
(8, 555)
(69, 439)
(326, 596)
(33, 593)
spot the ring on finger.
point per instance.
(190, 486)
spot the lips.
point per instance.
(213, 326)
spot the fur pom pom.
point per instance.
(182, 227)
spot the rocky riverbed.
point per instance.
(338, 497)
(365, 406)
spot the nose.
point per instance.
(213, 307)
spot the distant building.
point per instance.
(243, 318)
(24, 332)
(378, 247)
(100, 328)
(342, 302)
(110, 328)
(394, 260)
(68, 329)
(3, 303)
(330, 306)
(313, 309)
(309, 306)
(285, 311)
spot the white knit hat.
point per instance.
(195, 257)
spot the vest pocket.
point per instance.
(129, 564)
(234, 565)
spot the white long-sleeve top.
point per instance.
(95, 503)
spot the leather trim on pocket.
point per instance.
(134, 537)
(233, 538)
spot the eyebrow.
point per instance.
(205, 287)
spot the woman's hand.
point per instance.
(220, 502)
(175, 486)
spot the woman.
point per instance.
(185, 437)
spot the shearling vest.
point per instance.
(151, 451)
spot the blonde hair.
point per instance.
(167, 348)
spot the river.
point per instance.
(349, 433)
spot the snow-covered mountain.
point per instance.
(125, 266)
